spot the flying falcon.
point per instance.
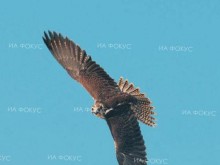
(121, 105)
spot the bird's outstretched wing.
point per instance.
(80, 66)
(129, 143)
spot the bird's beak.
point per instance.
(94, 111)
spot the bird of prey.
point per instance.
(120, 105)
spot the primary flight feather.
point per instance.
(121, 105)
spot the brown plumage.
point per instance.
(121, 105)
(143, 109)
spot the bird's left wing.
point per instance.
(80, 66)
(129, 143)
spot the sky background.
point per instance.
(168, 48)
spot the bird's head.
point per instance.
(100, 110)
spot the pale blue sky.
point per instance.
(173, 56)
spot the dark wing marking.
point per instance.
(142, 109)
(129, 143)
(80, 66)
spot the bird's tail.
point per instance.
(143, 109)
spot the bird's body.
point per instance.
(121, 105)
(100, 108)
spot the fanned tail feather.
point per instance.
(143, 109)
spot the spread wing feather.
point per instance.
(129, 143)
(80, 66)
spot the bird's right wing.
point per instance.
(81, 67)
(129, 143)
